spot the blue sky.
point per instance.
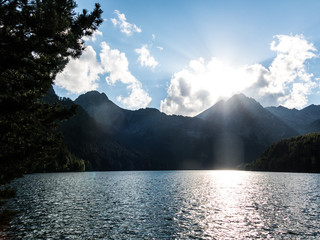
(183, 56)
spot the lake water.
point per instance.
(167, 205)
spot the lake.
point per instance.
(167, 205)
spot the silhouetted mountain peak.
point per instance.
(93, 97)
(312, 109)
(246, 117)
(236, 103)
(297, 119)
(241, 100)
(100, 107)
(239, 97)
(148, 110)
(283, 109)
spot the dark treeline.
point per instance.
(297, 154)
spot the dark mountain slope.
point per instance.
(104, 111)
(166, 142)
(245, 122)
(247, 117)
(229, 133)
(312, 112)
(88, 140)
(85, 138)
(313, 127)
(172, 141)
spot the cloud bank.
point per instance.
(285, 82)
(83, 74)
(125, 27)
(116, 64)
(145, 59)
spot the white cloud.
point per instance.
(153, 36)
(138, 98)
(286, 82)
(80, 75)
(125, 27)
(116, 64)
(160, 48)
(145, 58)
(94, 36)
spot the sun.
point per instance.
(221, 79)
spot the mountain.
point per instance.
(313, 127)
(227, 134)
(102, 109)
(297, 119)
(86, 138)
(247, 117)
(230, 133)
(312, 112)
(297, 154)
(86, 141)
(245, 122)
(165, 142)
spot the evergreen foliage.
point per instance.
(297, 154)
(37, 39)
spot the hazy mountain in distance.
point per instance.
(297, 119)
(312, 111)
(313, 127)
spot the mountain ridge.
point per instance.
(231, 132)
(297, 119)
(198, 141)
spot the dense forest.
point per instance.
(297, 154)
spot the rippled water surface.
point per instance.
(168, 205)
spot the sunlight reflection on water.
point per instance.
(167, 204)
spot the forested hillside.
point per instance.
(297, 154)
